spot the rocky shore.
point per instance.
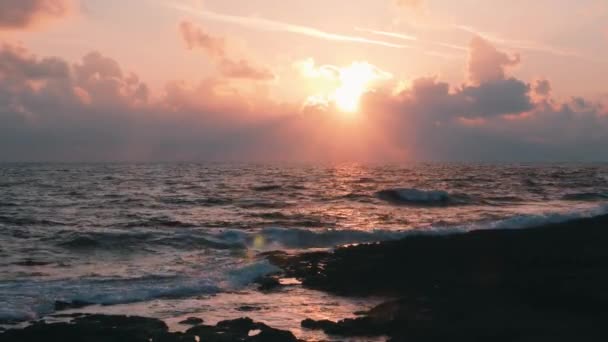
(548, 283)
(104, 328)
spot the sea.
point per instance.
(176, 240)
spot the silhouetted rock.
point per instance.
(102, 328)
(248, 308)
(267, 284)
(192, 321)
(543, 284)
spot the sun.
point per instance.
(354, 82)
(350, 83)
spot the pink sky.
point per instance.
(269, 79)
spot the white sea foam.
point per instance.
(299, 238)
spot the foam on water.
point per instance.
(31, 299)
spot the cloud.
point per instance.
(542, 88)
(94, 110)
(401, 36)
(21, 14)
(519, 44)
(196, 38)
(277, 26)
(19, 66)
(486, 63)
(421, 44)
(242, 69)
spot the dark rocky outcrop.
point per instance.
(192, 321)
(544, 284)
(102, 328)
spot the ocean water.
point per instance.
(173, 240)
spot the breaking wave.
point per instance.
(422, 197)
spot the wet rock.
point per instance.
(94, 328)
(76, 304)
(242, 329)
(192, 321)
(349, 327)
(542, 284)
(102, 328)
(317, 325)
(267, 284)
(248, 308)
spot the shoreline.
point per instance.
(544, 284)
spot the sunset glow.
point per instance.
(303, 170)
(349, 83)
(355, 80)
(261, 79)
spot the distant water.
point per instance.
(147, 233)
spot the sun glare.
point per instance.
(355, 81)
(352, 82)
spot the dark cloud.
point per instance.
(494, 98)
(498, 97)
(19, 14)
(17, 65)
(542, 88)
(195, 37)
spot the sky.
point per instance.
(304, 80)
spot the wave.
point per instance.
(270, 187)
(421, 197)
(585, 196)
(206, 202)
(246, 275)
(263, 204)
(30, 299)
(28, 221)
(506, 199)
(292, 238)
(124, 241)
(279, 237)
(525, 221)
(159, 222)
(26, 300)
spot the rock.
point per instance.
(76, 304)
(92, 328)
(348, 327)
(102, 328)
(540, 284)
(267, 284)
(248, 308)
(192, 321)
(317, 325)
(242, 329)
